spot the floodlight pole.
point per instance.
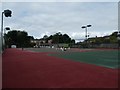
(5, 39)
(2, 30)
(86, 33)
(5, 29)
(7, 13)
(86, 30)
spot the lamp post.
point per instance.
(7, 28)
(86, 30)
(5, 36)
(86, 35)
(7, 13)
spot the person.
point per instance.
(65, 49)
(22, 48)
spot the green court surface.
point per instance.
(106, 58)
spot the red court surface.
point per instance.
(23, 69)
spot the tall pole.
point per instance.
(86, 33)
(7, 13)
(2, 31)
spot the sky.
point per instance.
(46, 18)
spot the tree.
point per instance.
(66, 38)
(60, 38)
(113, 37)
(55, 38)
(45, 37)
(72, 41)
(19, 38)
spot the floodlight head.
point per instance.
(89, 25)
(83, 27)
(7, 13)
(7, 28)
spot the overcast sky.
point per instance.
(40, 18)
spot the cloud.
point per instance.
(60, 0)
(40, 18)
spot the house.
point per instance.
(41, 42)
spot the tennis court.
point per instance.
(50, 68)
(105, 58)
(100, 57)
